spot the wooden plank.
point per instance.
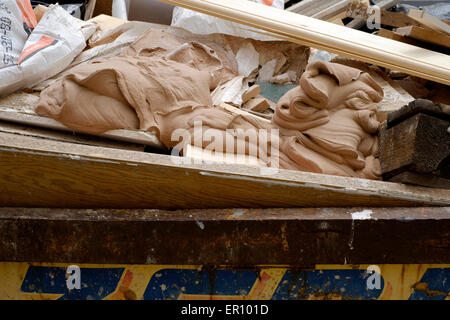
(320, 9)
(331, 37)
(396, 19)
(310, 7)
(32, 119)
(394, 35)
(331, 11)
(337, 19)
(258, 104)
(220, 157)
(244, 112)
(232, 237)
(428, 20)
(106, 22)
(425, 35)
(40, 173)
(397, 37)
(13, 128)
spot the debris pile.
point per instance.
(326, 92)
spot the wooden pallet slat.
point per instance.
(42, 173)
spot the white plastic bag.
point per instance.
(17, 21)
(200, 23)
(50, 48)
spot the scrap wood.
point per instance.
(425, 89)
(430, 21)
(251, 92)
(415, 145)
(30, 118)
(320, 9)
(330, 37)
(397, 37)
(418, 37)
(310, 7)
(244, 112)
(258, 104)
(396, 19)
(106, 22)
(388, 18)
(24, 130)
(425, 35)
(207, 156)
(332, 12)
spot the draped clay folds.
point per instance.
(161, 83)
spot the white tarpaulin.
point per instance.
(200, 23)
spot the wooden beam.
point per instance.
(231, 237)
(327, 36)
(321, 9)
(415, 139)
(41, 173)
(310, 7)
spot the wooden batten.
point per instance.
(38, 172)
(30, 118)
